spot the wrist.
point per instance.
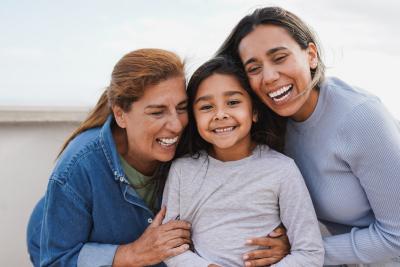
(127, 256)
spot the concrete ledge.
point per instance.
(15, 114)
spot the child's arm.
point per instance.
(171, 199)
(298, 216)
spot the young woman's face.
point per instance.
(155, 122)
(279, 70)
(224, 115)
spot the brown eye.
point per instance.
(205, 107)
(279, 59)
(252, 70)
(233, 102)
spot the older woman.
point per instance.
(104, 190)
(344, 141)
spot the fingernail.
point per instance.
(248, 241)
(186, 246)
(245, 257)
(247, 264)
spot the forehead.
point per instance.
(218, 84)
(170, 90)
(265, 37)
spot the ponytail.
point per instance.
(97, 117)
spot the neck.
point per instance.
(145, 167)
(308, 107)
(237, 152)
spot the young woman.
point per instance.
(102, 194)
(233, 185)
(344, 141)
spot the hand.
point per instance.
(157, 243)
(276, 246)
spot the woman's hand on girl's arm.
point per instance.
(276, 246)
(157, 243)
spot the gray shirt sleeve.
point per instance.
(298, 216)
(370, 141)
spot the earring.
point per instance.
(314, 63)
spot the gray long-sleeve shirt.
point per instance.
(230, 202)
(348, 151)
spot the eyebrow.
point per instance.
(208, 97)
(269, 53)
(164, 106)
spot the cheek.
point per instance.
(254, 82)
(184, 120)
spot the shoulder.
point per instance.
(270, 159)
(83, 148)
(344, 96)
(189, 162)
(272, 156)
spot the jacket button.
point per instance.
(149, 220)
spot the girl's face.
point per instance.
(154, 124)
(279, 71)
(224, 115)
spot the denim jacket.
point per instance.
(89, 207)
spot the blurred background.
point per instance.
(56, 58)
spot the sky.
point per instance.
(61, 53)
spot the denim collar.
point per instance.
(110, 150)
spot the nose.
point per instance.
(175, 124)
(221, 114)
(270, 75)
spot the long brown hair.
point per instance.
(296, 28)
(132, 74)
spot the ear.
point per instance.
(312, 54)
(119, 116)
(255, 116)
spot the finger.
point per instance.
(176, 251)
(278, 231)
(157, 221)
(258, 254)
(259, 241)
(173, 243)
(261, 262)
(174, 224)
(176, 233)
(164, 237)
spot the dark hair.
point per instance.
(296, 28)
(269, 128)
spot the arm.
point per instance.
(171, 199)
(66, 225)
(372, 150)
(298, 215)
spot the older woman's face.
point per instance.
(279, 70)
(155, 122)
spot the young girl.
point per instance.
(233, 185)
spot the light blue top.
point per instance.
(348, 151)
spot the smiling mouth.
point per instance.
(167, 142)
(224, 129)
(281, 94)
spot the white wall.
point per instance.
(28, 148)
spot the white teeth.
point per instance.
(223, 130)
(280, 91)
(167, 141)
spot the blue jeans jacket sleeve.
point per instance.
(96, 255)
(66, 225)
